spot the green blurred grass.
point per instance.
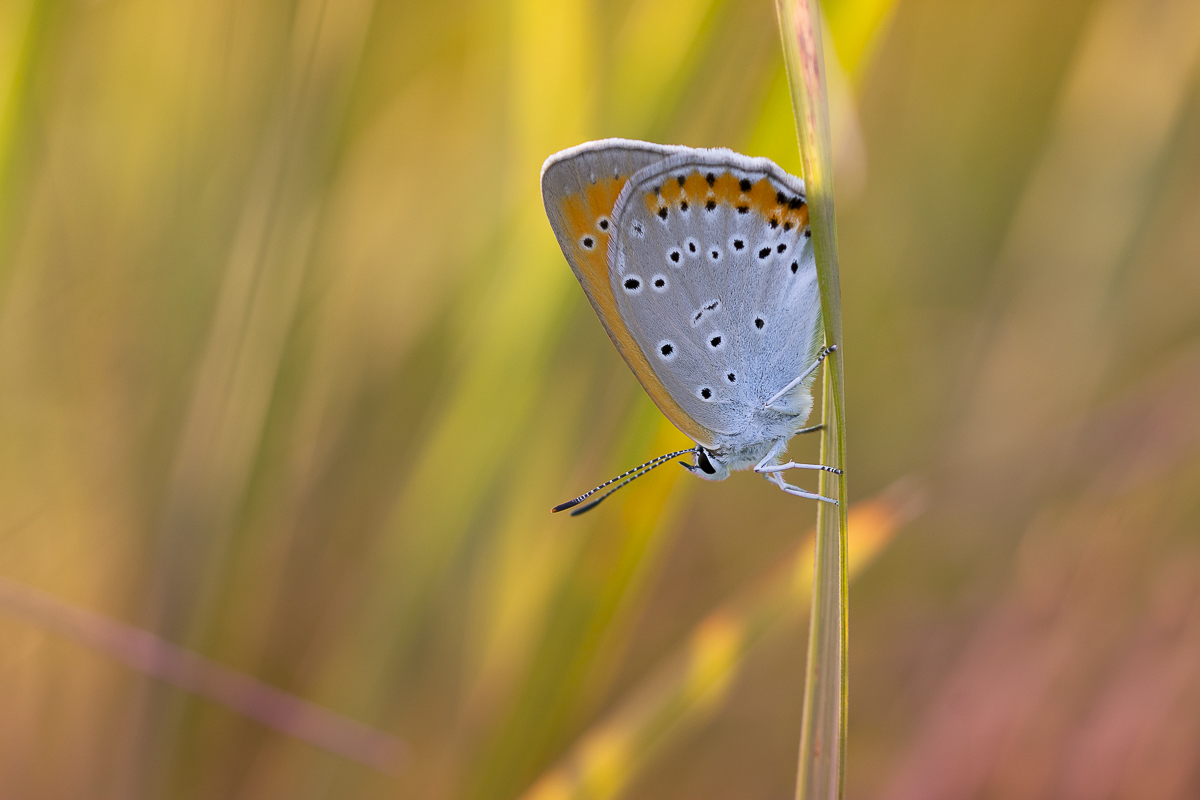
(291, 372)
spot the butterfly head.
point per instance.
(707, 464)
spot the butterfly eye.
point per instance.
(632, 285)
(732, 378)
(674, 255)
(692, 246)
(666, 350)
(766, 251)
(782, 247)
(588, 243)
(795, 267)
(660, 283)
(706, 394)
(759, 322)
(716, 341)
(602, 223)
(714, 255)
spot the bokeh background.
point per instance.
(291, 372)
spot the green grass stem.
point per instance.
(823, 736)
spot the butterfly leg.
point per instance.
(777, 479)
(766, 467)
(772, 472)
(796, 381)
(794, 465)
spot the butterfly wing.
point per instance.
(713, 274)
(580, 187)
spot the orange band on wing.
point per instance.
(582, 214)
(783, 208)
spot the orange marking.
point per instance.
(696, 187)
(761, 198)
(672, 192)
(655, 200)
(726, 189)
(581, 211)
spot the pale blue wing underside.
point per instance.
(723, 302)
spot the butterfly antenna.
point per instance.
(624, 478)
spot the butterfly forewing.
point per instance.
(580, 187)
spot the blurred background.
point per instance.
(292, 371)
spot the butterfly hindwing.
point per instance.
(713, 273)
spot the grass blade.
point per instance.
(823, 735)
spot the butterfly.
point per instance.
(699, 264)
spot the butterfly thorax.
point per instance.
(768, 429)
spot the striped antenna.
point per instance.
(624, 478)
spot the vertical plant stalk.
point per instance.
(823, 734)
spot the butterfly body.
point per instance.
(700, 267)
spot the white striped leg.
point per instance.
(796, 381)
(777, 479)
(765, 465)
(794, 465)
